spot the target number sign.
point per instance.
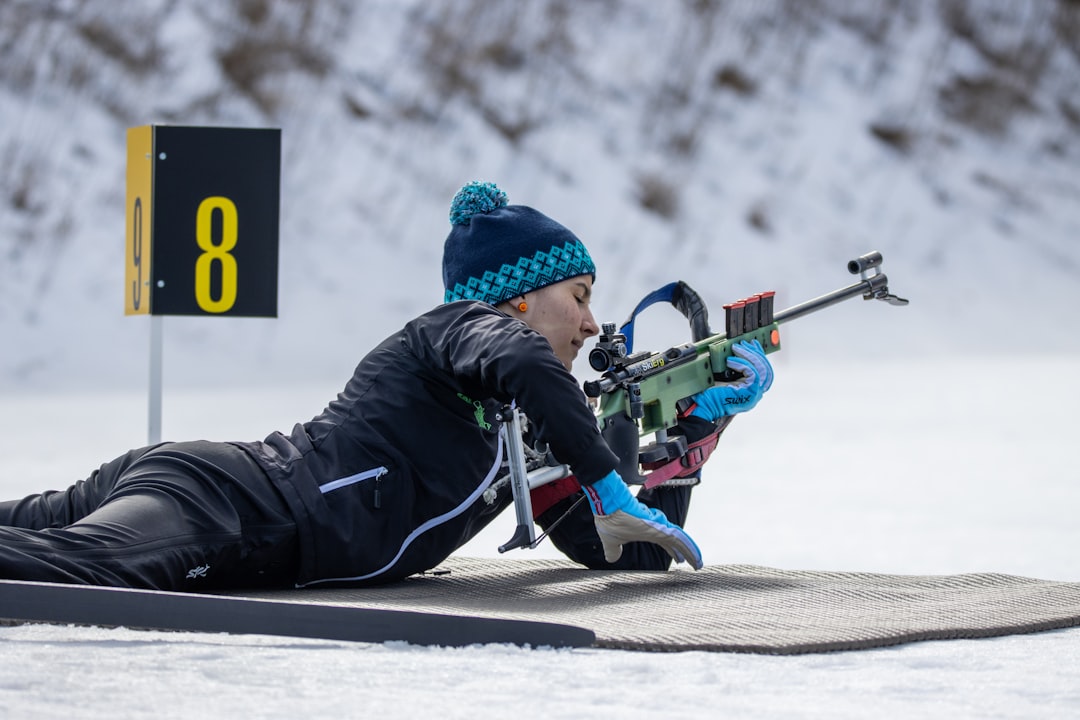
(202, 221)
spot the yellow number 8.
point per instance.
(219, 252)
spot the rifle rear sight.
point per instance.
(610, 348)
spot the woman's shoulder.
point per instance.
(463, 314)
(466, 331)
(463, 309)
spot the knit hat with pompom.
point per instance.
(496, 251)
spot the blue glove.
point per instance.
(744, 393)
(620, 518)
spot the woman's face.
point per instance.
(561, 313)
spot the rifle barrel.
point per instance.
(865, 287)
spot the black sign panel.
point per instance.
(214, 236)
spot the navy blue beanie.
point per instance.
(496, 251)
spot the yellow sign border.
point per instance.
(138, 210)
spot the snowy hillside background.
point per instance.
(740, 146)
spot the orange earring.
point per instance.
(523, 306)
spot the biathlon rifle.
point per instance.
(641, 393)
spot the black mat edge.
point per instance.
(23, 601)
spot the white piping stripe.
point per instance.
(433, 522)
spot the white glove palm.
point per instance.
(621, 518)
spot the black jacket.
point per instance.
(389, 479)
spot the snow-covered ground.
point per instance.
(933, 465)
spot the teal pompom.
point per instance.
(476, 197)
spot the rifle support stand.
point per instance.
(525, 534)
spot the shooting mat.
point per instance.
(730, 608)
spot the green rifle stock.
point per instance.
(643, 390)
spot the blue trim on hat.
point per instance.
(542, 269)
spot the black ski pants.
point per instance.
(195, 516)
